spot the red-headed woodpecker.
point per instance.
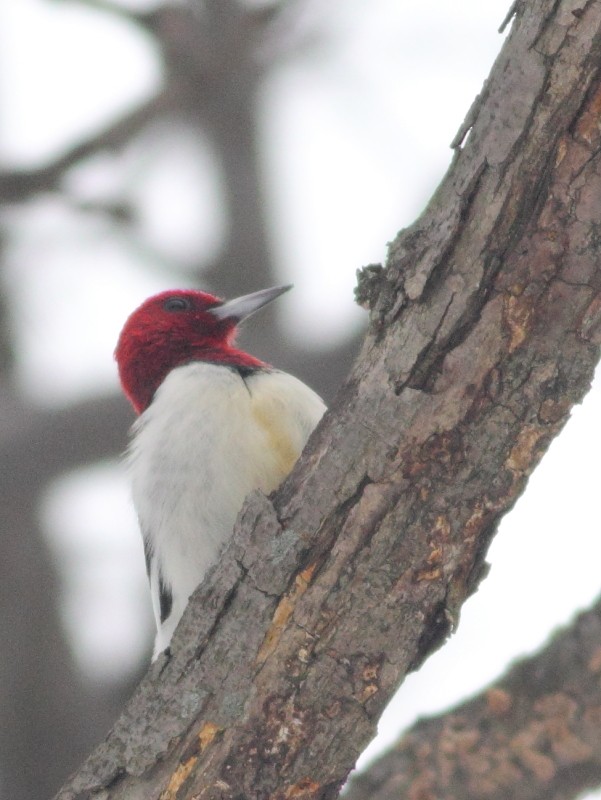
(215, 424)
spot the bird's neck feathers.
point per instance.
(147, 368)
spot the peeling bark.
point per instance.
(485, 329)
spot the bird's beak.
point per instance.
(242, 307)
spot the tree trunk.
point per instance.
(534, 735)
(485, 329)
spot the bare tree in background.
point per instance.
(501, 316)
(215, 58)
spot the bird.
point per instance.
(214, 424)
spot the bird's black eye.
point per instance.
(177, 304)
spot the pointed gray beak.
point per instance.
(242, 307)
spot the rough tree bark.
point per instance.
(533, 735)
(485, 329)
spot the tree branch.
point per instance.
(37, 444)
(485, 329)
(19, 185)
(533, 735)
(115, 9)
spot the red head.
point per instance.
(174, 328)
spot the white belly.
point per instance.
(207, 440)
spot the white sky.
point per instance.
(356, 140)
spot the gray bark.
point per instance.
(534, 735)
(484, 331)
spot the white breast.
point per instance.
(207, 440)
